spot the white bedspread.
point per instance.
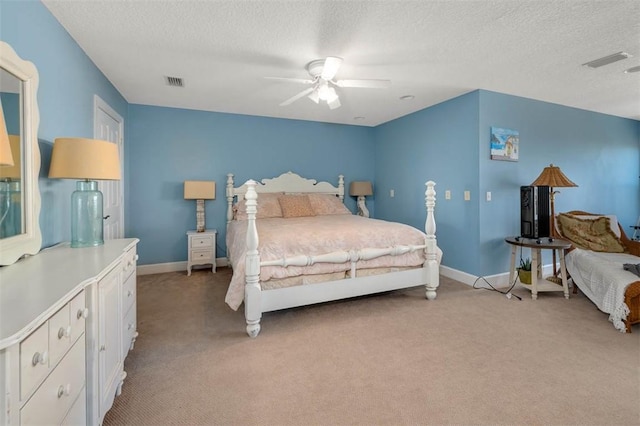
(602, 278)
(279, 238)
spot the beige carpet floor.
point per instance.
(469, 357)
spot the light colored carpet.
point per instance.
(468, 357)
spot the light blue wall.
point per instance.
(449, 143)
(68, 82)
(168, 146)
(440, 144)
(598, 152)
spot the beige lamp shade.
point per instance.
(199, 190)
(8, 171)
(552, 176)
(360, 188)
(6, 158)
(79, 158)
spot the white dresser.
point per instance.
(67, 322)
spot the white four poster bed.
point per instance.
(296, 244)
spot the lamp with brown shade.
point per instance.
(10, 220)
(553, 177)
(6, 158)
(199, 190)
(89, 160)
(361, 190)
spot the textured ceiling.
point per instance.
(433, 50)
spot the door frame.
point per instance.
(99, 104)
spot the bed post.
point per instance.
(341, 187)
(229, 198)
(430, 228)
(252, 297)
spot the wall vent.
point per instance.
(175, 81)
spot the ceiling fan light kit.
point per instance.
(323, 72)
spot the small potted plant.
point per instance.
(524, 271)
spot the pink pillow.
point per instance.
(268, 206)
(295, 206)
(327, 204)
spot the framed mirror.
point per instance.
(19, 194)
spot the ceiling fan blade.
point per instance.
(334, 104)
(292, 99)
(331, 66)
(292, 80)
(367, 84)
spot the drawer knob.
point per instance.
(64, 332)
(103, 348)
(64, 390)
(130, 326)
(129, 293)
(40, 358)
(83, 313)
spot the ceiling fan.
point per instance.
(323, 85)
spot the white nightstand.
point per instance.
(202, 249)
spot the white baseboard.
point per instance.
(160, 268)
(497, 280)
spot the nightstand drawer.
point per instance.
(201, 256)
(205, 241)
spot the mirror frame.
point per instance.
(29, 242)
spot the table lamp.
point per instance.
(199, 190)
(10, 223)
(361, 190)
(6, 158)
(552, 176)
(90, 160)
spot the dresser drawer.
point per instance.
(53, 399)
(77, 415)
(34, 359)
(78, 314)
(128, 293)
(59, 335)
(129, 331)
(205, 241)
(129, 263)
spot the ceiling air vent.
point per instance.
(175, 81)
(597, 63)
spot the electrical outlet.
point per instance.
(467, 195)
(392, 193)
(447, 195)
(488, 195)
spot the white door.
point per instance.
(108, 126)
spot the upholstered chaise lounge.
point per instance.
(596, 264)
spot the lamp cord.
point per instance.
(507, 293)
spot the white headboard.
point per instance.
(289, 183)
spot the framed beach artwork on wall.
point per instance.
(505, 144)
